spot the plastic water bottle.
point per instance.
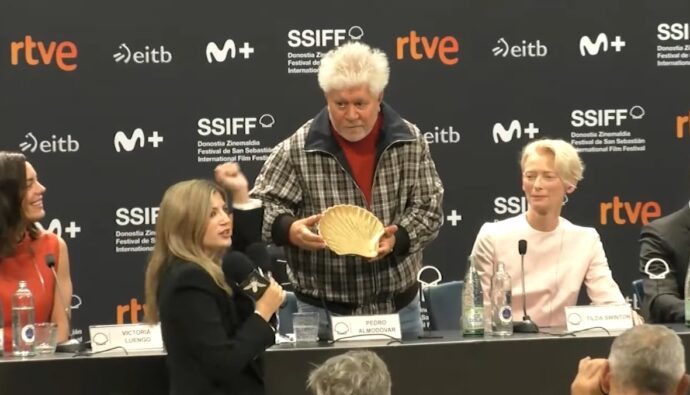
(23, 331)
(501, 307)
(472, 302)
(687, 299)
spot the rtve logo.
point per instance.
(673, 31)
(147, 55)
(54, 144)
(604, 117)
(216, 54)
(125, 216)
(309, 38)
(233, 126)
(134, 308)
(628, 212)
(515, 130)
(524, 50)
(510, 205)
(682, 120)
(63, 53)
(442, 135)
(55, 226)
(138, 138)
(444, 48)
(601, 44)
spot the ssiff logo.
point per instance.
(515, 130)
(138, 138)
(605, 117)
(63, 53)
(628, 212)
(510, 205)
(126, 216)
(216, 54)
(233, 126)
(601, 44)
(444, 48)
(309, 38)
(682, 122)
(673, 31)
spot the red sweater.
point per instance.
(361, 156)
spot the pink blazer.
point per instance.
(556, 265)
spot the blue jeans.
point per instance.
(410, 319)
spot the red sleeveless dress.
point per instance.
(29, 264)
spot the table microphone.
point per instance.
(71, 345)
(526, 325)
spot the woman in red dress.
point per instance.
(25, 249)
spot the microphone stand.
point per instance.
(71, 346)
(526, 325)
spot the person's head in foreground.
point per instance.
(352, 373)
(353, 77)
(644, 360)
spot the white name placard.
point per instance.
(366, 327)
(132, 337)
(617, 317)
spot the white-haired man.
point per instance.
(356, 151)
(352, 373)
(644, 360)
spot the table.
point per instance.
(522, 364)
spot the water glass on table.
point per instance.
(306, 327)
(46, 338)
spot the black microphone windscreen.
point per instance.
(237, 266)
(522, 247)
(50, 261)
(258, 254)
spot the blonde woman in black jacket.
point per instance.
(213, 333)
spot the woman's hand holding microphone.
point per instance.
(269, 303)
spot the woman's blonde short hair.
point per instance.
(354, 64)
(568, 164)
(180, 227)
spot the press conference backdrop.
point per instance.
(112, 102)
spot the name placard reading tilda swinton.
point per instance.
(616, 317)
(132, 337)
(366, 327)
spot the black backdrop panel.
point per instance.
(163, 91)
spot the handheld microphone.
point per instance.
(258, 254)
(71, 345)
(526, 325)
(238, 268)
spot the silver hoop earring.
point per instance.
(565, 200)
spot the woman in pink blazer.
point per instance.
(561, 256)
